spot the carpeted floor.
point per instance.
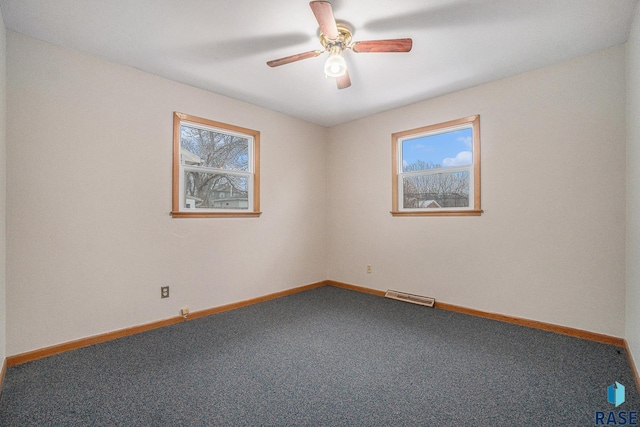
(330, 357)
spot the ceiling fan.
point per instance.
(335, 38)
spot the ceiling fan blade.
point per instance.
(294, 58)
(343, 81)
(324, 15)
(393, 45)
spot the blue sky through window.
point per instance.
(447, 149)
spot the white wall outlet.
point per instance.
(369, 268)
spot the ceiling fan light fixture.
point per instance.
(336, 37)
(335, 66)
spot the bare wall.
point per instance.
(90, 240)
(633, 190)
(550, 245)
(3, 181)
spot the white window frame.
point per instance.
(397, 139)
(252, 175)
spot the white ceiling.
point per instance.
(223, 46)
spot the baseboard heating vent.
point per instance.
(415, 299)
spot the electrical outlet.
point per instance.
(184, 312)
(369, 268)
(164, 292)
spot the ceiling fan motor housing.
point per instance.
(343, 40)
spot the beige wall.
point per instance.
(633, 190)
(3, 181)
(90, 239)
(551, 243)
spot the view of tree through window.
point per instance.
(214, 169)
(436, 168)
(443, 190)
(434, 153)
(207, 156)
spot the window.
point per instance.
(436, 169)
(215, 169)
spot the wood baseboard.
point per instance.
(96, 339)
(2, 372)
(240, 304)
(579, 333)
(564, 330)
(85, 342)
(633, 364)
(356, 288)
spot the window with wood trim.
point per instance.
(216, 169)
(436, 169)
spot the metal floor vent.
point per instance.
(415, 299)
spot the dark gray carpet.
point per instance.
(327, 356)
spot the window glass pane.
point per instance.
(443, 150)
(203, 147)
(204, 190)
(436, 190)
